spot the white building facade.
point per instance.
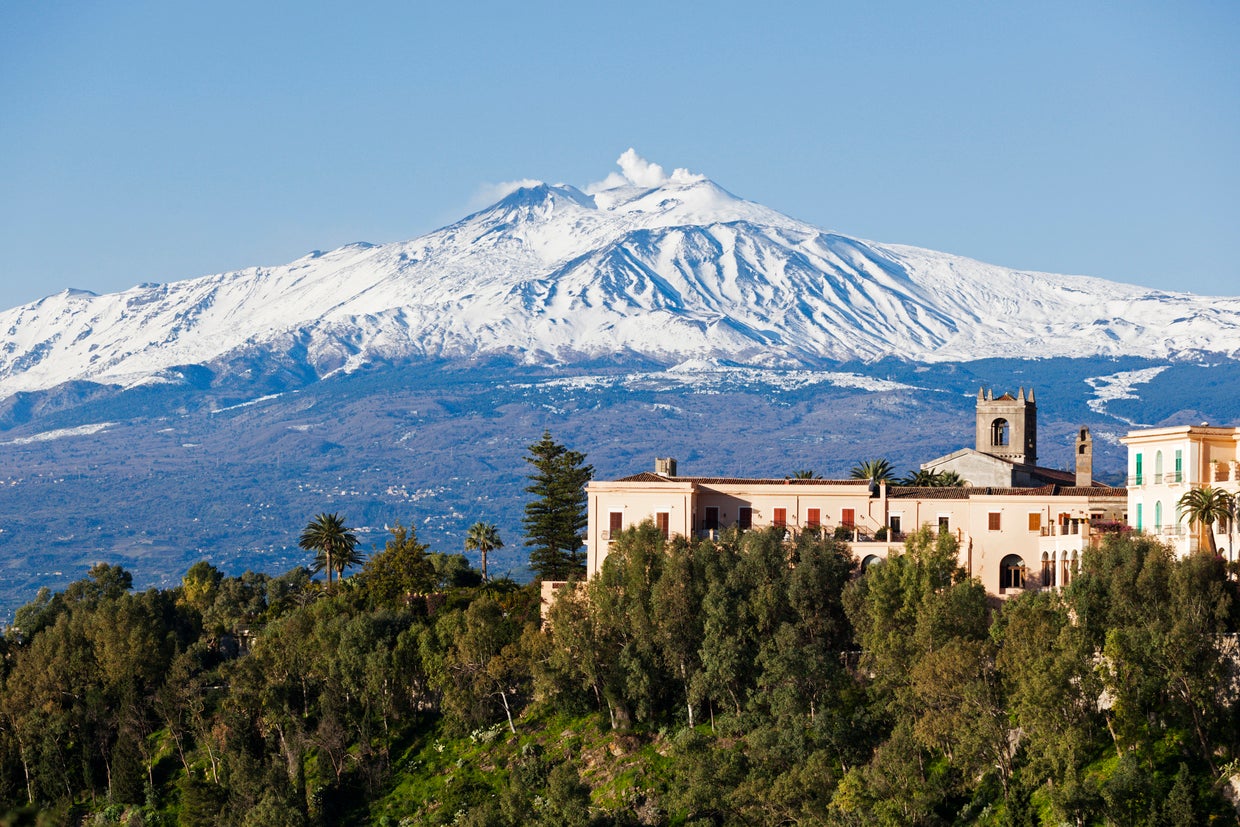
(1165, 463)
(1012, 539)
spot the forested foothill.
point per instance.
(754, 679)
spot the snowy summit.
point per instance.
(668, 267)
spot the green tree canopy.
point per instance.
(554, 519)
(392, 576)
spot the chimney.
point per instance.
(1084, 459)
(665, 466)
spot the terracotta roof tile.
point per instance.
(649, 476)
(645, 476)
(940, 492)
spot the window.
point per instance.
(711, 523)
(848, 518)
(781, 518)
(1158, 468)
(813, 518)
(1048, 571)
(1158, 516)
(615, 522)
(1179, 466)
(999, 432)
(744, 517)
(944, 524)
(1035, 521)
(661, 520)
(1139, 478)
(994, 521)
(1012, 572)
(1140, 525)
(894, 523)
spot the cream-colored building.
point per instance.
(1163, 464)
(1019, 525)
(1010, 538)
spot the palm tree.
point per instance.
(803, 475)
(483, 538)
(327, 535)
(1205, 506)
(875, 470)
(347, 558)
(929, 478)
(921, 478)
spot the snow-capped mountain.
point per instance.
(668, 268)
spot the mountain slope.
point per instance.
(552, 274)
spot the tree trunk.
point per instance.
(503, 696)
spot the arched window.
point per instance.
(1158, 516)
(1048, 571)
(1012, 572)
(1158, 467)
(999, 432)
(870, 560)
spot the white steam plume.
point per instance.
(636, 171)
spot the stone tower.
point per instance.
(1084, 459)
(1007, 426)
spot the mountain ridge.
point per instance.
(670, 268)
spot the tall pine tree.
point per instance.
(555, 518)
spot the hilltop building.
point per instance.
(1163, 464)
(1019, 525)
(1005, 452)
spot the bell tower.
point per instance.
(1084, 459)
(1007, 426)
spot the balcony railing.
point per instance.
(1065, 530)
(1169, 478)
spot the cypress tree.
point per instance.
(555, 518)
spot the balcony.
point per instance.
(1063, 530)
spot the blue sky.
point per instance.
(160, 141)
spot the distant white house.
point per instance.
(1165, 463)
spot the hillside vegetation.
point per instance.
(750, 680)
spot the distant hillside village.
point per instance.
(1020, 526)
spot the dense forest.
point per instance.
(747, 680)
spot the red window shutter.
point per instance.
(744, 517)
(661, 520)
(813, 518)
(848, 518)
(781, 517)
(616, 522)
(994, 520)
